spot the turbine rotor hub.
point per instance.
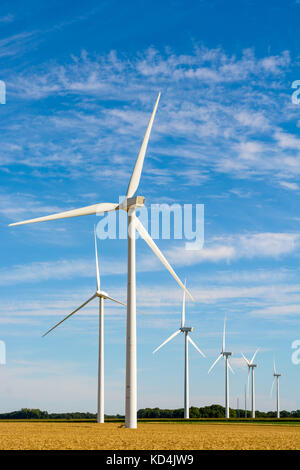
(101, 293)
(132, 203)
(186, 329)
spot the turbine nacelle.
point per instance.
(101, 293)
(227, 354)
(183, 329)
(132, 203)
(186, 329)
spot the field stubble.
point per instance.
(148, 436)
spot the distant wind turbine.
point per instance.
(102, 296)
(251, 367)
(225, 355)
(186, 330)
(129, 205)
(276, 378)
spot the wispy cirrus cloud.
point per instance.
(262, 245)
(18, 205)
(289, 185)
(7, 18)
(214, 125)
(230, 248)
(15, 44)
(277, 311)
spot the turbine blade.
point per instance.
(274, 367)
(195, 346)
(94, 209)
(223, 343)
(230, 367)
(137, 171)
(167, 340)
(97, 263)
(271, 392)
(183, 308)
(145, 235)
(68, 316)
(114, 300)
(245, 359)
(217, 360)
(253, 357)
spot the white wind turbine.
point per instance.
(225, 355)
(102, 296)
(251, 367)
(276, 378)
(130, 204)
(186, 330)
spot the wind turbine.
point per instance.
(129, 205)
(276, 378)
(225, 355)
(251, 367)
(186, 330)
(102, 296)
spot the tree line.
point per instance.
(212, 411)
(33, 413)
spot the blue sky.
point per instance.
(81, 82)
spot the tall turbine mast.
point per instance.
(129, 205)
(226, 356)
(276, 379)
(251, 367)
(187, 339)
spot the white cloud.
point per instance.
(289, 185)
(236, 247)
(277, 311)
(238, 363)
(15, 44)
(287, 141)
(7, 18)
(61, 269)
(268, 244)
(207, 106)
(219, 250)
(20, 204)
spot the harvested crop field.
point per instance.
(149, 436)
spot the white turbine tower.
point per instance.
(102, 296)
(251, 367)
(186, 330)
(276, 378)
(225, 355)
(129, 205)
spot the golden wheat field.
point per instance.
(149, 436)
